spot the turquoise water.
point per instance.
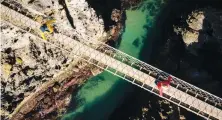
(101, 94)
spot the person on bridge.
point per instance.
(161, 84)
(47, 27)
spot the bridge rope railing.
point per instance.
(140, 65)
(102, 48)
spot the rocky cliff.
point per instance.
(37, 79)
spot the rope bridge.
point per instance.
(120, 64)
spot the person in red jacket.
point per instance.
(164, 83)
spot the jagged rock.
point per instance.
(195, 20)
(26, 64)
(32, 62)
(83, 21)
(116, 15)
(190, 37)
(203, 26)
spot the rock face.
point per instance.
(29, 64)
(85, 23)
(202, 25)
(73, 17)
(195, 23)
(116, 15)
(190, 37)
(195, 20)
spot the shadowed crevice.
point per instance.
(63, 3)
(104, 9)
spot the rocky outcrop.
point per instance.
(116, 15)
(195, 20)
(53, 98)
(202, 25)
(195, 24)
(73, 17)
(87, 25)
(28, 64)
(31, 68)
(190, 37)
